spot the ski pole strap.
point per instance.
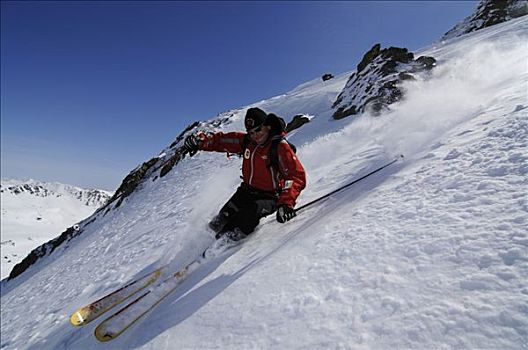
(350, 184)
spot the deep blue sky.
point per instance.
(89, 89)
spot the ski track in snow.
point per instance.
(431, 253)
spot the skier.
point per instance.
(272, 175)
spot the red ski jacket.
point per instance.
(289, 181)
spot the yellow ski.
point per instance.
(147, 300)
(95, 309)
(119, 322)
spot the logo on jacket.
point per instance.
(247, 153)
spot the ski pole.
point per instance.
(348, 185)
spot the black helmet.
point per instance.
(255, 117)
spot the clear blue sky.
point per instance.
(91, 89)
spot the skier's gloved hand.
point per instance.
(285, 213)
(191, 144)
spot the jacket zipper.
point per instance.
(252, 166)
(272, 172)
(273, 178)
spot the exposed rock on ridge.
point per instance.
(489, 13)
(375, 84)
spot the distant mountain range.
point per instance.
(88, 197)
(34, 212)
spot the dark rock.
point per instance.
(43, 250)
(327, 76)
(131, 181)
(368, 57)
(179, 153)
(168, 165)
(297, 121)
(406, 76)
(426, 62)
(182, 134)
(489, 13)
(375, 84)
(343, 112)
(397, 54)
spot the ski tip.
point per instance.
(102, 335)
(77, 319)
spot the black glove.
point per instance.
(285, 213)
(191, 144)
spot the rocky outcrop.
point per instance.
(489, 13)
(297, 121)
(45, 249)
(327, 76)
(376, 82)
(179, 153)
(131, 181)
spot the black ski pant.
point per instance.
(246, 207)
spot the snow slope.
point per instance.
(33, 212)
(429, 254)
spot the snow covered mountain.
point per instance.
(34, 212)
(489, 13)
(430, 253)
